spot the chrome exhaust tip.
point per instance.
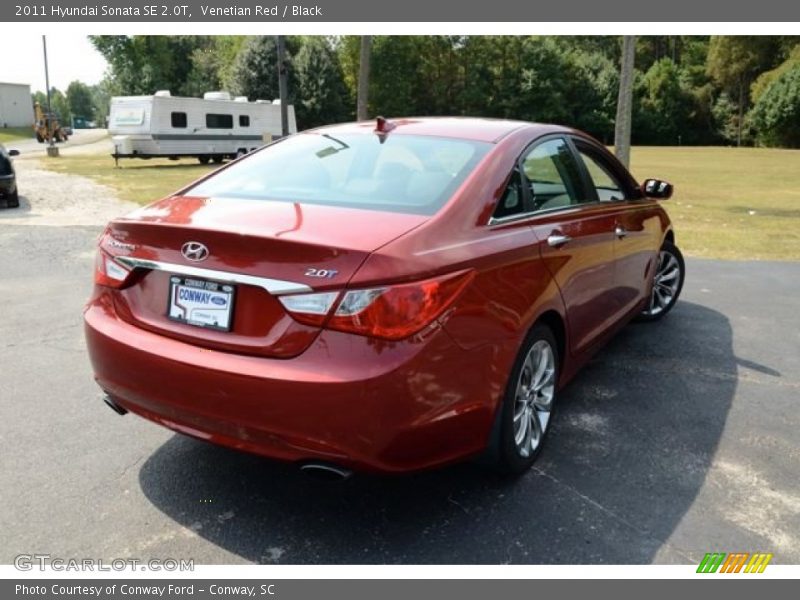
(325, 471)
(114, 406)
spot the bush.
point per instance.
(776, 116)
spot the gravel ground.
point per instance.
(53, 199)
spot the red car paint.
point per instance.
(295, 391)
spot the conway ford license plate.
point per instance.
(201, 303)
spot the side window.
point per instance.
(511, 203)
(215, 121)
(179, 120)
(552, 174)
(244, 121)
(606, 184)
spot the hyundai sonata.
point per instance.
(386, 296)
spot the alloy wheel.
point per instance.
(665, 283)
(534, 398)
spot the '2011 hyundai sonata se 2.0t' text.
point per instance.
(386, 296)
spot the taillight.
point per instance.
(391, 312)
(311, 309)
(109, 272)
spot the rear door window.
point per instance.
(552, 176)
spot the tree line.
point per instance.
(693, 90)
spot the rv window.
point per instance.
(179, 119)
(244, 121)
(219, 121)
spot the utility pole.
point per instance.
(362, 101)
(622, 126)
(52, 150)
(283, 84)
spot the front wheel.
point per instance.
(667, 283)
(527, 404)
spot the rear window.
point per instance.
(404, 173)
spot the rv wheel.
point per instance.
(218, 158)
(204, 159)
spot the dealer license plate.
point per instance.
(201, 303)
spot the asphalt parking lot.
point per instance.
(678, 439)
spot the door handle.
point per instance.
(620, 231)
(557, 239)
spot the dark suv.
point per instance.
(8, 179)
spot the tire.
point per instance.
(218, 158)
(13, 200)
(667, 283)
(511, 451)
(204, 159)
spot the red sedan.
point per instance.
(385, 297)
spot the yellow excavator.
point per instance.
(47, 124)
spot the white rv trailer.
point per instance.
(214, 127)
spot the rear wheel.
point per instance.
(204, 159)
(218, 158)
(667, 283)
(528, 403)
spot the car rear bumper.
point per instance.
(348, 400)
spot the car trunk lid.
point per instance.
(256, 249)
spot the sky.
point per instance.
(69, 56)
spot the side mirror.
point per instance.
(657, 189)
(13, 152)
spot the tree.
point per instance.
(79, 98)
(622, 126)
(664, 107)
(776, 116)
(101, 99)
(321, 95)
(255, 71)
(362, 110)
(143, 64)
(734, 62)
(59, 105)
(763, 81)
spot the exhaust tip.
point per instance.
(326, 472)
(114, 406)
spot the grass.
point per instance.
(140, 181)
(12, 134)
(732, 203)
(735, 203)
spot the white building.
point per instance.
(16, 107)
